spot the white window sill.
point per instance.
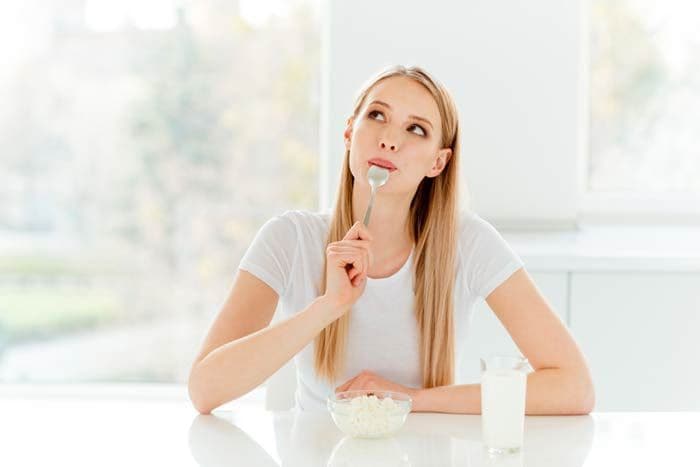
(610, 248)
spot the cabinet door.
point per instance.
(488, 336)
(641, 335)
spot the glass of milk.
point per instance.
(503, 383)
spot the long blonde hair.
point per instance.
(433, 220)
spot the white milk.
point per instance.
(503, 408)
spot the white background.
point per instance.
(515, 70)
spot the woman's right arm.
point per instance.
(241, 351)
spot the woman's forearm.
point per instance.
(237, 367)
(550, 391)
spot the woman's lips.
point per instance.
(382, 163)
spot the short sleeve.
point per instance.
(271, 255)
(487, 260)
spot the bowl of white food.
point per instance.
(369, 413)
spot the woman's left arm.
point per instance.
(561, 382)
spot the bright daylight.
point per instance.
(324, 233)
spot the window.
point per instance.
(142, 146)
(645, 102)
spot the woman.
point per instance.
(382, 306)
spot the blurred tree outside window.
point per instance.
(645, 97)
(142, 145)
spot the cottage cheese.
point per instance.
(370, 416)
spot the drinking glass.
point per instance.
(503, 388)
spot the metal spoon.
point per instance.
(377, 177)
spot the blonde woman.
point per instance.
(386, 306)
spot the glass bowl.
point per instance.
(369, 413)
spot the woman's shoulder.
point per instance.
(297, 225)
(485, 258)
(478, 235)
(472, 225)
(317, 220)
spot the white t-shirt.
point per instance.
(288, 254)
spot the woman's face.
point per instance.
(398, 126)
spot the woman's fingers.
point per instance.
(357, 280)
(357, 243)
(352, 274)
(357, 383)
(344, 256)
(353, 253)
(354, 257)
(355, 276)
(361, 244)
(358, 231)
(345, 385)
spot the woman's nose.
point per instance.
(387, 141)
(383, 145)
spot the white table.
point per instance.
(128, 430)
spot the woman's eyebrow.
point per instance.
(412, 116)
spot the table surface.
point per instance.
(111, 430)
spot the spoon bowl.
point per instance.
(377, 176)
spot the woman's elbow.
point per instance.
(589, 401)
(586, 401)
(197, 396)
(200, 406)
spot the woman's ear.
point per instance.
(347, 134)
(443, 157)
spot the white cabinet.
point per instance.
(640, 332)
(487, 335)
(641, 335)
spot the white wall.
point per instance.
(513, 68)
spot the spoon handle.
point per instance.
(369, 208)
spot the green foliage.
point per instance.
(44, 312)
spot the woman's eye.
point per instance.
(420, 128)
(375, 112)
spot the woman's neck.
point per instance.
(389, 226)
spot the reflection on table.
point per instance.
(296, 438)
